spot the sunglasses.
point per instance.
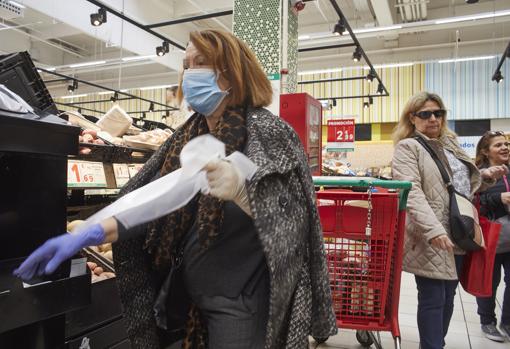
(427, 114)
(495, 133)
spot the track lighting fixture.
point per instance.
(339, 27)
(73, 87)
(370, 76)
(380, 89)
(370, 100)
(143, 116)
(356, 56)
(115, 97)
(79, 110)
(497, 76)
(151, 107)
(366, 105)
(96, 19)
(164, 48)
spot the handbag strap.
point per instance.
(506, 183)
(440, 166)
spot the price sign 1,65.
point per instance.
(85, 174)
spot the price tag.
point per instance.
(121, 174)
(85, 174)
(134, 168)
(340, 135)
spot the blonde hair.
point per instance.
(238, 64)
(405, 129)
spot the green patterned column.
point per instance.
(259, 23)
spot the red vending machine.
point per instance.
(304, 114)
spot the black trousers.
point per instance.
(237, 323)
(487, 306)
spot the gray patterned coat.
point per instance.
(282, 201)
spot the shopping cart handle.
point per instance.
(404, 186)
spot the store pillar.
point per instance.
(270, 28)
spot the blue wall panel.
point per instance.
(467, 88)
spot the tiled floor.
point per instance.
(464, 332)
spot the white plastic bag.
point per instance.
(175, 189)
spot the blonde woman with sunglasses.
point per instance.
(429, 252)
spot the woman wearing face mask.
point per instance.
(429, 252)
(253, 261)
(492, 150)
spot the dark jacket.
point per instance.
(282, 202)
(491, 205)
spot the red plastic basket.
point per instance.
(361, 266)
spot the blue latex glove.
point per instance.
(53, 252)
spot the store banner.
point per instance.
(469, 144)
(340, 135)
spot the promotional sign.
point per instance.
(133, 169)
(85, 174)
(469, 144)
(340, 135)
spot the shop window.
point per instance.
(472, 127)
(363, 132)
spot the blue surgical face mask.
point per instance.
(201, 90)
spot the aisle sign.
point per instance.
(133, 169)
(469, 144)
(121, 174)
(340, 135)
(85, 174)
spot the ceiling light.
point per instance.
(332, 70)
(356, 56)
(17, 4)
(155, 87)
(474, 17)
(164, 48)
(105, 92)
(370, 100)
(497, 76)
(376, 29)
(74, 96)
(143, 116)
(393, 65)
(151, 107)
(471, 1)
(115, 97)
(339, 27)
(73, 87)
(370, 76)
(366, 105)
(380, 89)
(86, 64)
(137, 58)
(466, 59)
(96, 19)
(303, 37)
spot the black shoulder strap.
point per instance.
(440, 166)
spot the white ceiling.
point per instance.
(58, 33)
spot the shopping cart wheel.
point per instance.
(320, 340)
(364, 338)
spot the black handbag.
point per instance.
(465, 229)
(173, 302)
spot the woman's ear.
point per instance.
(412, 119)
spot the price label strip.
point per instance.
(133, 169)
(121, 174)
(85, 174)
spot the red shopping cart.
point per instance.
(363, 224)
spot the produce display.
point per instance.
(105, 250)
(89, 136)
(148, 140)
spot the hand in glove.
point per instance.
(226, 183)
(53, 252)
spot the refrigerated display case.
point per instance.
(304, 114)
